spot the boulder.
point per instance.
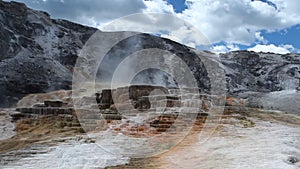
(53, 103)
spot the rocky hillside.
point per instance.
(261, 72)
(38, 54)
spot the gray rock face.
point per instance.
(261, 72)
(153, 76)
(37, 53)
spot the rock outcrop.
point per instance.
(37, 53)
(260, 72)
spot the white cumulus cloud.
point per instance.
(282, 49)
(224, 48)
(239, 21)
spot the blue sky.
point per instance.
(288, 36)
(179, 5)
(257, 25)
